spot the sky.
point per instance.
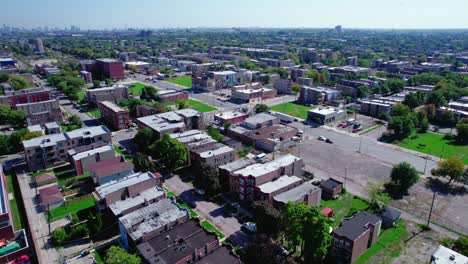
(108, 14)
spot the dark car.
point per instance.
(329, 141)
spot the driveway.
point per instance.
(213, 212)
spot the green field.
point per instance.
(65, 210)
(81, 95)
(196, 105)
(208, 226)
(136, 88)
(94, 113)
(16, 215)
(344, 206)
(388, 241)
(436, 145)
(183, 81)
(293, 109)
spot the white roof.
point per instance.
(91, 152)
(87, 132)
(445, 255)
(122, 205)
(130, 180)
(259, 169)
(325, 111)
(279, 183)
(224, 72)
(215, 152)
(44, 141)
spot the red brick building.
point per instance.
(110, 68)
(25, 96)
(233, 117)
(114, 116)
(171, 95)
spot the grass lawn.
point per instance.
(369, 129)
(97, 257)
(436, 145)
(293, 109)
(16, 215)
(63, 174)
(63, 211)
(196, 105)
(136, 88)
(94, 113)
(208, 226)
(344, 206)
(81, 95)
(126, 156)
(183, 81)
(389, 241)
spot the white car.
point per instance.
(251, 227)
(321, 138)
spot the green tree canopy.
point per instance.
(142, 163)
(4, 77)
(18, 82)
(462, 132)
(117, 255)
(260, 108)
(403, 176)
(170, 152)
(452, 168)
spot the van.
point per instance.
(260, 156)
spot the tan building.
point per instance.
(113, 94)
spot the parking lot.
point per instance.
(355, 123)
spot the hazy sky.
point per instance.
(236, 13)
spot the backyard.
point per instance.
(436, 145)
(183, 81)
(196, 105)
(65, 210)
(63, 174)
(17, 215)
(344, 206)
(293, 109)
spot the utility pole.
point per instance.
(425, 164)
(48, 215)
(360, 142)
(432, 206)
(345, 174)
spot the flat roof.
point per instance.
(3, 192)
(217, 151)
(445, 255)
(122, 205)
(44, 141)
(224, 72)
(259, 118)
(92, 152)
(35, 128)
(297, 193)
(151, 217)
(137, 63)
(130, 180)
(106, 88)
(107, 60)
(259, 169)
(325, 111)
(87, 132)
(111, 105)
(279, 183)
(237, 165)
(51, 125)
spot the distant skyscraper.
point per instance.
(39, 46)
(338, 29)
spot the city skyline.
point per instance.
(366, 14)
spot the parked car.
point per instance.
(251, 227)
(321, 138)
(316, 182)
(329, 141)
(356, 130)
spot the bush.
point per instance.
(449, 136)
(461, 245)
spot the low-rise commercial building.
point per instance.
(270, 138)
(39, 113)
(324, 115)
(355, 235)
(233, 117)
(260, 120)
(113, 94)
(113, 115)
(149, 221)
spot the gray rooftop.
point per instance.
(278, 184)
(259, 169)
(130, 180)
(237, 165)
(44, 141)
(122, 205)
(87, 132)
(259, 118)
(51, 125)
(152, 217)
(91, 152)
(298, 192)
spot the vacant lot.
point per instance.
(344, 206)
(136, 88)
(183, 81)
(293, 109)
(63, 211)
(197, 105)
(436, 145)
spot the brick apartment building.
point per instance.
(113, 94)
(15, 243)
(172, 122)
(52, 150)
(355, 235)
(25, 96)
(244, 177)
(113, 115)
(110, 68)
(39, 113)
(251, 93)
(87, 76)
(317, 95)
(171, 95)
(233, 117)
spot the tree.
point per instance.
(462, 133)
(395, 85)
(142, 163)
(296, 88)
(96, 83)
(436, 98)
(18, 82)
(403, 176)
(362, 91)
(214, 133)
(401, 126)
(108, 82)
(421, 122)
(452, 168)
(260, 108)
(227, 125)
(207, 178)
(59, 235)
(268, 218)
(170, 152)
(313, 74)
(4, 77)
(400, 110)
(117, 255)
(447, 118)
(144, 138)
(148, 93)
(132, 68)
(182, 104)
(430, 110)
(262, 249)
(30, 135)
(414, 100)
